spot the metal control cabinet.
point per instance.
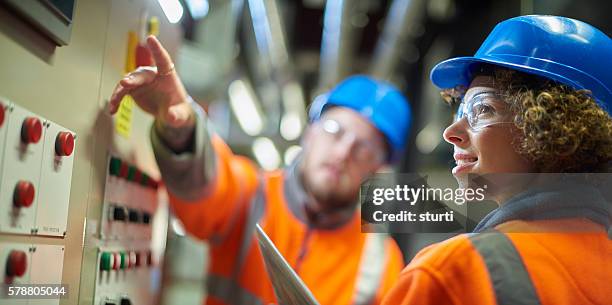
(61, 228)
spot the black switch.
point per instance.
(125, 301)
(146, 217)
(133, 216)
(118, 212)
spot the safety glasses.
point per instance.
(363, 150)
(481, 109)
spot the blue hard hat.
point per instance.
(379, 102)
(565, 50)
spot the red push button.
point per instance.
(64, 144)
(17, 263)
(154, 184)
(116, 261)
(31, 130)
(137, 176)
(24, 194)
(2, 110)
(123, 170)
(149, 258)
(138, 262)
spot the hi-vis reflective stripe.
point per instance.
(371, 269)
(229, 291)
(255, 212)
(509, 277)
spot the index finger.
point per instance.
(118, 94)
(160, 55)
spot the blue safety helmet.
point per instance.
(379, 102)
(565, 50)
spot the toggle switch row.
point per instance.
(125, 260)
(122, 169)
(131, 215)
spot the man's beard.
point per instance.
(331, 201)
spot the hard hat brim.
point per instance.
(459, 71)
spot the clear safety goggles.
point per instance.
(481, 110)
(364, 151)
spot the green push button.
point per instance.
(144, 181)
(106, 261)
(131, 173)
(114, 166)
(124, 260)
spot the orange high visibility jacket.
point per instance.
(513, 268)
(339, 264)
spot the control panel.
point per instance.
(130, 202)
(29, 264)
(126, 260)
(37, 159)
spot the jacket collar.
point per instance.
(554, 201)
(298, 199)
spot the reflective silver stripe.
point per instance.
(255, 211)
(188, 175)
(228, 291)
(509, 277)
(371, 269)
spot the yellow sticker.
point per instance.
(153, 26)
(123, 121)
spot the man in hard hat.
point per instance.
(309, 209)
(538, 101)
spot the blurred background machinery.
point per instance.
(80, 197)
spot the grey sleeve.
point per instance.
(187, 174)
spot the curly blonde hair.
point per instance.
(561, 129)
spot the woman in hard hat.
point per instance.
(538, 100)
